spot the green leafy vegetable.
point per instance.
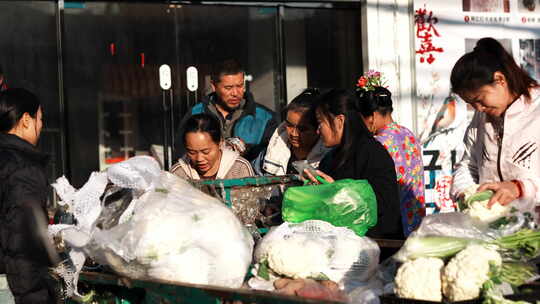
(264, 271)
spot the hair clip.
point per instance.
(370, 80)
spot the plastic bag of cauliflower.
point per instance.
(317, 250)
(169, 231)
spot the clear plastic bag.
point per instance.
(178, 234)
(153, 224)
(318, 250)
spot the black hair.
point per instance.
(13, 104)
(476, 69)
(340, 101)
(203, 123)
(305, 103)
(227, 67)
(377, 100)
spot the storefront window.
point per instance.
(94, 66)
(29, 59)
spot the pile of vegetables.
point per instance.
(314, 258)
(462, 268)
(164, 229)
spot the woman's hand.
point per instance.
(505, 192)
(321, 174)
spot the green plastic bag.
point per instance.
(345, 203)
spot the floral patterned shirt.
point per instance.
(407, 155)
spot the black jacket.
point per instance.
(23, 221)
(255, 126)
(370, 160)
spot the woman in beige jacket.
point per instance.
(206, 156)
(502, 142)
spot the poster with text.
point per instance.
(445, 31)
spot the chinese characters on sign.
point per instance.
(425, 29)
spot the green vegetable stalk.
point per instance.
(433, 247)
(522, 245)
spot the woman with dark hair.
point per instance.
(295, 139)
(376, 109)
(502, 142)
(206, 155)
(358, 155)
(25, 251)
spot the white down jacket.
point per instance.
(502, 149)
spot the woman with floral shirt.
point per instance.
(376, 109)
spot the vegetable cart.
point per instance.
(115, 290)
(110, 288)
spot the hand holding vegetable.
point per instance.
(505, 192)
(322, 175)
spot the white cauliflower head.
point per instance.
(475, 204)
(315, 249)
(464, 275)
(414, 275)
(299, 257)
(480, 211)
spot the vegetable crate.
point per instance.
(256, 200)
(110, 289)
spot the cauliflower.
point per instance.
(413, 276)
(464, 275)
(475, 205)
(479, 211)
(318, 250)
(300, 257)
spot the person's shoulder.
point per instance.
(408, 133)
(198, 108)
(242, 161)
(263, 113)
(9, 163)
(244, 164)
(201, 105)
(263, 108)
(179, 168)
(371, 146)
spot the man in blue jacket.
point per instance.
(247, 126)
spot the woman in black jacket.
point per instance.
(25, 252)
(358, 155)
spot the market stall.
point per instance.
(161, 240)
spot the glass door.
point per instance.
(112, 54)
(323, 48)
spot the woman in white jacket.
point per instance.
(295, 139)
(502, 142)
(206, 156)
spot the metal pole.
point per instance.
(165, 132)
(64, 151)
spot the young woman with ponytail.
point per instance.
(26, 253)
(357, 155)
(375, 106)
(502, 143)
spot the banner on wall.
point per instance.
(446, 30)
